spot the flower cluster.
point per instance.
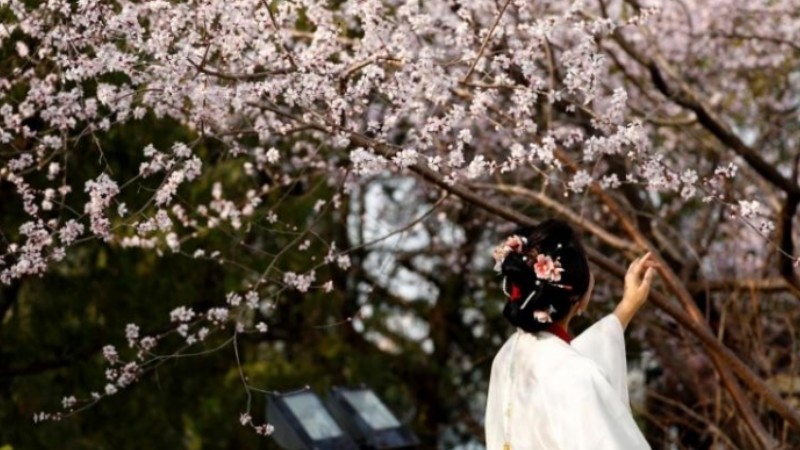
(191, 327)
(514, 244)
(547, 269)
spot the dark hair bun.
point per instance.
(517, 279)
(550, 233)
(531, 297)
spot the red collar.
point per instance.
(559, 331)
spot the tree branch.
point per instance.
(256, 76)
(581, 222)
(679, 91)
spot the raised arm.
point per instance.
(637, 288)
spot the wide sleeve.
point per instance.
(498, 389)
(493, 417)
(604, 343)
(588, 414)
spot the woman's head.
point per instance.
(545, 273)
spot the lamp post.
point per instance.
(354, 419)
(302, 422)
(368, 421)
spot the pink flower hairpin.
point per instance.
(548, 269)
(514, 243)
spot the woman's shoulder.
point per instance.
(503, 354)
(520, 347)
(558, 360)
(542, 353)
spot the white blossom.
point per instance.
(101, 192)
(245, 418)
(367, 163)
(273, 156)
(71, 230)
(749, 209)
(580, 181)
(132, 334)
(252, 299)
(181, 314)
(478, 167)
(343, 261)
(217, 315)
(202, 333)
(183, 329)
(300, 282)
(22, 49)
(69, 402)
(110, 354)
(147, 343)
(233, 299)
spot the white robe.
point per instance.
(551, 395)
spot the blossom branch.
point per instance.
(485, 42)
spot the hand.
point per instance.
(639, 278)
(637, 287)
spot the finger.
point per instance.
(648, 277)
(634, 264)
(646, 257)
(638, 265)
(647, 261)
(651, 263)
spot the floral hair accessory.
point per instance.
(544, 266)
(514, 244)
(548, 269)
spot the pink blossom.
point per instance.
(547, 269)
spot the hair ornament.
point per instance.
(528, 299)
(515, 293)
(543, 265)
(544, 316)
(513, 244)
(547, 269)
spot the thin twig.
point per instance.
(278, 32)
(201, 67)
(485, 42)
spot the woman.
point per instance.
(546, 390)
